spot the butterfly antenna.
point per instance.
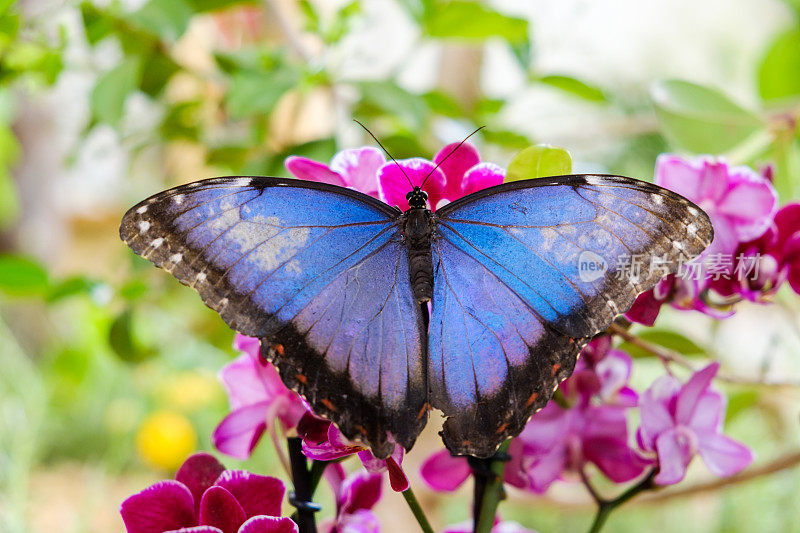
(448, 155)
(385, 150)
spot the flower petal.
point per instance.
(547, 468)
(397, 478)
(679, 175)
(163, 506)
(457, 161)
(308, 169)
(269, 524)
(674, 455)
(199, 472)
(359, 522)
(479, 177)
(393, 181)
(219, 508)
(360, 491)
(655, 410)
(240, 431)
(751, 201)
(258, 495)
(359, 168)
(244, 382)
(614, 458)
(197, 529)
(723, 455)
(441, 471)
(690, 394)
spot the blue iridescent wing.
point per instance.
(319, 273)
(511, 310)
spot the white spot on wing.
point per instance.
(157, 242)
(657, 198)
(693, 211)
(176, 258)
(143, 226)
(178, 199)
(142, 210)
(200, 278)
(692, 229)
(593, 180)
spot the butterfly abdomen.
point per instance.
(417, 230)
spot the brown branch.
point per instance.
(671, 356)
(784, 462)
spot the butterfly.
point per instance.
(337, 286)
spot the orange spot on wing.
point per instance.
(361, 429)
(278, 349)
(327, 403)
(532, 399)
(301, 378)
(502, 428)
(555, 368)
(425, 408)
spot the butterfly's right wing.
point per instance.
(319, 274)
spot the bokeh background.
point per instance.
(108, 366)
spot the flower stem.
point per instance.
(488, 474)
(301, 498)
(606, 507)
(415, 507)
(317, 471)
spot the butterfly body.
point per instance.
(331, 281)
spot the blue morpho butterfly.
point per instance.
(335, 283)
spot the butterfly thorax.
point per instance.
(417, 231)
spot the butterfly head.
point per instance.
(417, 198)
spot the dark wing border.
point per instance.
(573, 180)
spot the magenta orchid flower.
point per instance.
(741, 204)
(356, 168)
(763, 264)
(444, 472)
(323, 441)
(356, 495)
(679, 421)
(258, 399)
(206, 498)
(601, 376)
(557, 441)
(460, 172)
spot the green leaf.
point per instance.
(740, 401)
(472, 21)
(506, 138)
(112, 89)
(539, 161)
(121, 339)
(97, 24)
(385, 97)
(157, 71)
(666, 339)
(166, 18)
(253, 93)
(575, 87)
(20, 276)
(700, 119)
(72, 286)
(779, 73)
(444, 104)
(200, 6)
(786, 156)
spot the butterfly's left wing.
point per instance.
(516, 296)
(320, 274)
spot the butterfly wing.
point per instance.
(319, 274)
(511, 310)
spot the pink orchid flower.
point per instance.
(258, 399)
(680, 421)
(444, 472)
(323, 441)
(763, 264)
(460, 172)
(741, 204)
(206, 498)
(356, 495)
(356, 168)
